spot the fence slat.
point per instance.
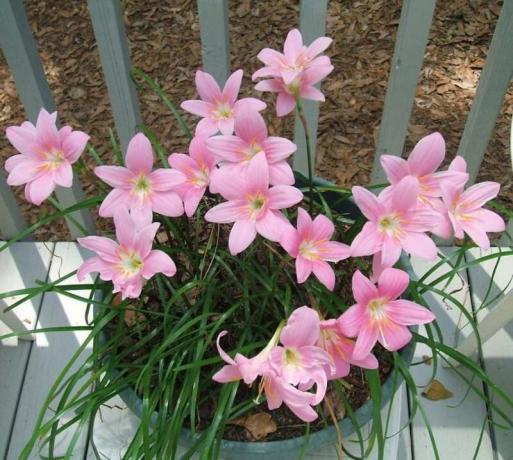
(493, 84)
(11, 221)
(112, 43)
(20, 51)
(215, 42)
(312, 23)
(412, 36)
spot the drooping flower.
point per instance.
(219, 109)
(423, 163)
(466, 212)
(235, 152)
(136, 186)
(45, 156)
(197, 168)
(378, 315)
(310, 245)
(395, 223)
(294, 72)
(295, 57)
(130, 260)
(340, 349)
(252, 205)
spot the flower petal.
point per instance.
(158, 262)
(139, 154)
(477, 195)
(250, 127)
(368, 203)
(408, 313)
(363, 289)
(242, 235)
(225, 213)
(197, 107)
(163, 180)
(278, 148)
(303, 269)
(115, 200)
(280, 173)
(395, 167)
(207, 87)
(394, 336)
(115, 176)
(302, 329)
(419, 244)
(392, 283)
(367, 242)
(285, 103)
(167, 203)
(284, 196)
(366, 340)
(322, 228)
(232, 86)
(324, 273)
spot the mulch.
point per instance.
(164, 41)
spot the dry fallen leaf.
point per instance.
(435, 391)
(132, 317)
(336, 404)
(258, 425)
(427, 360)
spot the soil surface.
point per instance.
(164, 41)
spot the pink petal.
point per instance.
(368, 203)
(312, 93)
(224, 356)
(197, 107)
(293, 44)
(419, 244)
(139, 154)
(249, 103)
(63, 175)
(489, 220)
(283, 196)
(395, 167)
(408, 313)
(25, 170)
(280, 173)
(269, 56)
(458, 164)
(322, 228)
(39, 189)
(94, 264)
(390, 251)
(16, 160)
(285, 103)
(115, 176)
(278, 148)
(427, 155)
(192, 199)
(405, 194)
(363, 289)
(352, 320)
(324, 274)
(366, 340)
(272, 225)
(225, 213)
(226, 126)
(144, 239)
(318, 46)
(315, 74)
(115, 200)
(228, 373)
(250, 127)
(476, 233)
(104, 247)
(24, 140)
(47, 129)
(126, 232)
(477, 195)
(289, 75)
(242, 235)
(207, 87)
(303, 269)
(393, 282)
(74, 144)
(163, 180)
(232, 86)
(184, 163)
(302, 329)
(290, 241)
(229, 148)
(229, 181)
(367, 242)
(304, 223)
(257, 176)
(158, 262)
(273, 86)
(167, 204)
(333, 251)
(393, 336)
(206, 127)
(369, 362)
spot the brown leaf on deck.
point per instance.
(258, 425)
(435, 391)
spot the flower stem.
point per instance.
(302, 117)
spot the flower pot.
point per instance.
(291, 448)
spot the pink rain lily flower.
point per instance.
(130, 260)
(197, 168)
(341, 349)
(252, 205)
(295, 57)
(235, 152)
(136, 186)
(466, 212)
(46, 154)
(379, 316)
(422, 163)
(395, 223)
(310, 245)
(219, 109)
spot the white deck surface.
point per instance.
(27, 369)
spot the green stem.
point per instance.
(57, 206)
(302, 117)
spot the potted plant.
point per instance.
(241, 310)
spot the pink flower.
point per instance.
(137, 186)
(340, 349)
(46, 156)
(466, 213)
(295, 71)
(219, 109)
(295, 57)
(131, 260)
(422, 163)
(395, 223)
(252, 205)
(379, 316)
(197, 168)
(251, 138)
(311, 248)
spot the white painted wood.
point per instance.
(11, 221)
(498, 350)
(456, 429)
(412, 36)
(507, 237)
(50, 352)
(312, 23)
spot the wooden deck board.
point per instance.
(498, 350)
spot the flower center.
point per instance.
(141, 186)
(376, 308)
(130, 263)
(222, 111)
(53, 159)
(252, 150)
(256, 205)
(391, 225)
(291, 358)
(309, 250)
(294, 87)
(200, 177)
